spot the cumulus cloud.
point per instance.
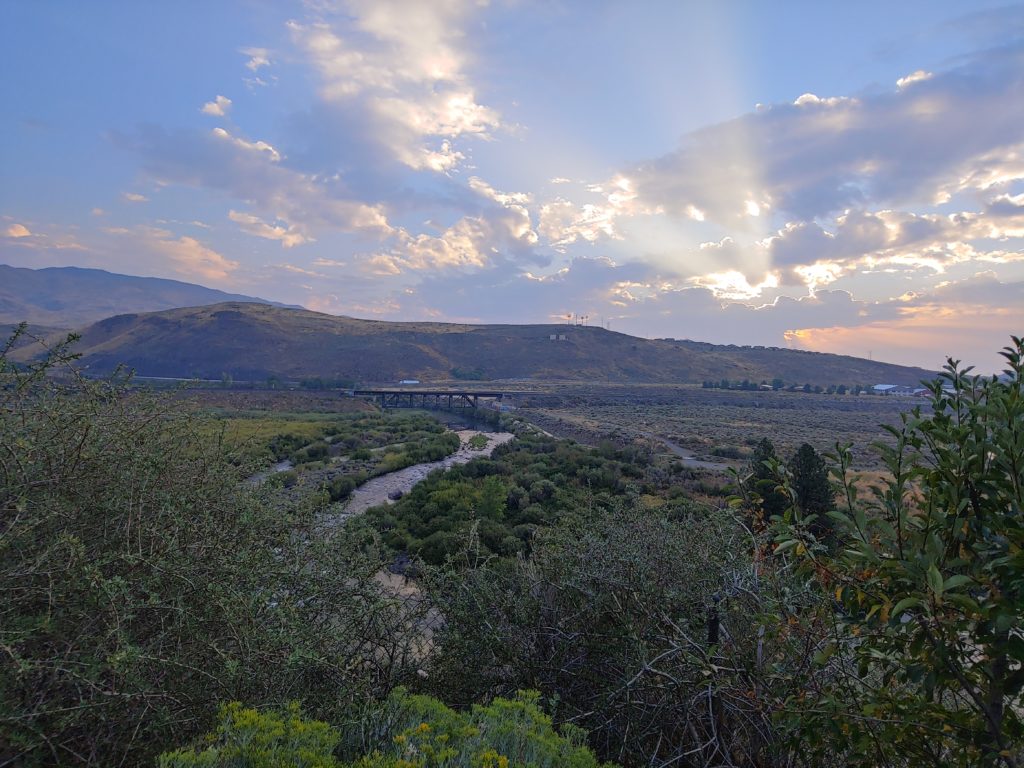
(249, 146)
(734, 285)
(218, 107)
(914, 77)
(18, 239)
(253, 171)
(860, 240)
(472, 242)
(288, 236)
(563, 222)
(187, 256)
(258, 58)
(193, 259)
(929, 139)
(18, 230)
(402, 62)
(135, 197)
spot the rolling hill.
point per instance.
(69, 297)
(251, 341)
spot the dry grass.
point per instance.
(722, 423)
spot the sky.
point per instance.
(842, 177)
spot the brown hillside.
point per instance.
(254, 341)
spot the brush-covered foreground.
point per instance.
(142, 583)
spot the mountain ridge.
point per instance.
(252, 341)
(69, 297)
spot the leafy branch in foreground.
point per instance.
(927, 646)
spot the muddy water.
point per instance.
(375, 491)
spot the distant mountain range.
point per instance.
(250, 341)
(69, 297)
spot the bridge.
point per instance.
(426, 398)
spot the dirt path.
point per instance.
(375, 492)
(687, 456)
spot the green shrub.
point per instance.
(247, 738)
(410, 731)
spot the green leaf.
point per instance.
(904, 604)
(825, 653)
(965, 602)
(935, 580)
(956, 581)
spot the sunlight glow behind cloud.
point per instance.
(488, 161)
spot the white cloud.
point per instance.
(188, 256)
(218, 107)
(914, 77)
(471, 243)
(865, 240)
(254, 172)
(734, 285)
(18, 230)
(403, 62)
(250, 146)
(135, 197)
(294, 269)
(810, 99)
(931, 138)
(288, 236)
(481, 187)
(563, 222)
(258, 58)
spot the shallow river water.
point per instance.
(376, 491)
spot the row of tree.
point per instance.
(777, 385)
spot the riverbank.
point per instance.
(376, 491)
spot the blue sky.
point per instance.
(846, 177)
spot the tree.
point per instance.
(778, 384)
(761, 485)
(812, 492)
(925, 651)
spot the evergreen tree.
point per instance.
(813, 494)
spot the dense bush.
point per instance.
(140, 583)
(529, 482)
(644, 630)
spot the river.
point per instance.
(375, 492)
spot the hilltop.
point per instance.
(69, 297)
(250, 341)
